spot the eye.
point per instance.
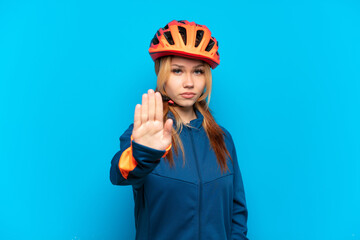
(199, 71)
(176, 70)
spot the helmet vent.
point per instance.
(182, 32)
(199, 36)
(155, 40)
(169, 37)
(210, 45)
(166, 27)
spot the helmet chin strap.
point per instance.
(169, 101)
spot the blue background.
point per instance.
(287, 88)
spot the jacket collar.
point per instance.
(195, 123)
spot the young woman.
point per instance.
(181, 164)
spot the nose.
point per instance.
(188, 81)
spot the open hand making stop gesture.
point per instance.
(149, 129)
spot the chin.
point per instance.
(186, 103)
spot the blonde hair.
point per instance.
(212, 129)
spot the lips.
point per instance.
(188, 94)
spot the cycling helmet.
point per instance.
(185, 39)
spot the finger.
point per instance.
(159, 107)
(151, 104)
(168, 127)
(144, 109)
(137, 118)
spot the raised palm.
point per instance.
(149, 129)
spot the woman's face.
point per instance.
(186, 82)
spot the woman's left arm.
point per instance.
(240, 212)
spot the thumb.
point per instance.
(168, 127)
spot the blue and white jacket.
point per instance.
(187, 202)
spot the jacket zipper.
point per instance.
(199, 176)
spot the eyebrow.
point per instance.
(181, 66)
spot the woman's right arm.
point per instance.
(142, 144)
(133, 162)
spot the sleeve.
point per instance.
(240, 212)
(134, 161)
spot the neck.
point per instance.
(186, 114)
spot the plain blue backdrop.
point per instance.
(287, 88)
